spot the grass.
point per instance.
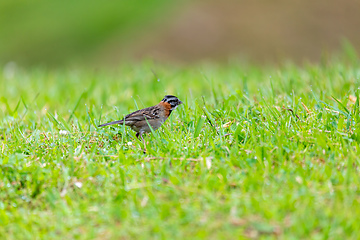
(253, 153)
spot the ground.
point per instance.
(254, 152)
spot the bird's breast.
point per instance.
(166, 109)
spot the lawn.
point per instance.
(254, 152)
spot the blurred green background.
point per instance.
(107, 32)
(58, 31)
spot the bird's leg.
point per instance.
(140, 134)
(143, 143)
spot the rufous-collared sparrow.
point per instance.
(154, 116)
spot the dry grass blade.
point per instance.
(307, 110)
(352, 98)
(330, 110)
(292, 111)
(228, 124)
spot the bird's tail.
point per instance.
(111, 123)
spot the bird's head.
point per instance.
(172, 100)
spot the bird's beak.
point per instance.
(180, 102)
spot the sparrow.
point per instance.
(154, 116)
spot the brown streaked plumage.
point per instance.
(154, 116)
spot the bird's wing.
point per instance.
(141, 115)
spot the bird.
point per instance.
(154, 116)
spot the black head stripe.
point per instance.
(170, 98)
